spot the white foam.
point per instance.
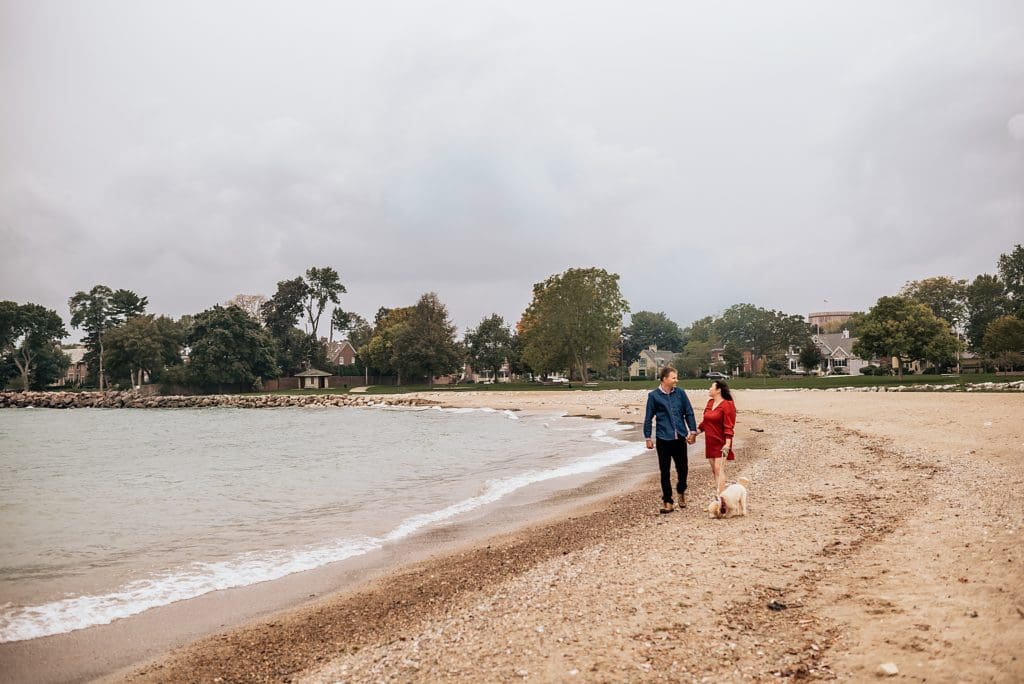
(498, 489)
(464, 410)
(67, 615)
(135, 597)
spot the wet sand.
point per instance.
(884, 528)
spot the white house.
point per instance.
(836, 353)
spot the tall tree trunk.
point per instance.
(101, 360)
(23, 364)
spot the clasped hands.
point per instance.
(690, 439)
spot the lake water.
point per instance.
(107, 513)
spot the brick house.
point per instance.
(340, 353)
(749, 364)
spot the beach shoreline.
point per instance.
(875, 525)
(100, 651)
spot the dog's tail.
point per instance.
(744, 481)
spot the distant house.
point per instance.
(75, 375)
(313, 379)
(836, 354)
(650, 362)
(971, 363)
(340, 353)
(749, 366)
(486, 376)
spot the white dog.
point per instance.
(732, 501)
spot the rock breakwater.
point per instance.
(128, 399)
(953, 387)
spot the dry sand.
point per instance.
(884, 528)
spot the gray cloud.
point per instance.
(782, 156)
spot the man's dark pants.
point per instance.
(671, 450)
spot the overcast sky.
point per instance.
(782, 154)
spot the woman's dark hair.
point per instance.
(726, 394)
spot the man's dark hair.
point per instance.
(666, 370)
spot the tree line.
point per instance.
(928, 321)
(573, 324)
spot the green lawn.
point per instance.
(690, 384)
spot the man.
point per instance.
(677, 427)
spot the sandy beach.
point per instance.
(884, 528)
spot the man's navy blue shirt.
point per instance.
(674, 413)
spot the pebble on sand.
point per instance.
(887, 670)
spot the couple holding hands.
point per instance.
(677, 427)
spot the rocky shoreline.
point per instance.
(129, 399)
(1017, 385)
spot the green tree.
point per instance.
(573, 321)
(764, 332)
(695, 359)
(733, 357)
(1011, 272)
(379, 351)
(30, 337)
(516, 364)
(282, 311)
(359, 331)
(810, 355)
(92, 312)
(947, 298)
(1004, 341)
(986, 301)
(425, 345)
(489, 344)
(292, 351)
(124, 304)
(341, 321)
(98, 311)
(227, 347)
(647, 328)
(322, 285)
(144, 345)
(703, 330)
(909, 331)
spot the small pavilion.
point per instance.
(313, 379)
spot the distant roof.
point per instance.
(835, 340)
(660, 355)
(312, 373)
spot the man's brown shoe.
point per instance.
(666, 508)
(682, 500)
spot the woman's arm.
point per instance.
(729, 424)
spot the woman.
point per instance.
(718, 426)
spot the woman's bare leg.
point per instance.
(718, 473)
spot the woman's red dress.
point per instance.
(718, 425)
